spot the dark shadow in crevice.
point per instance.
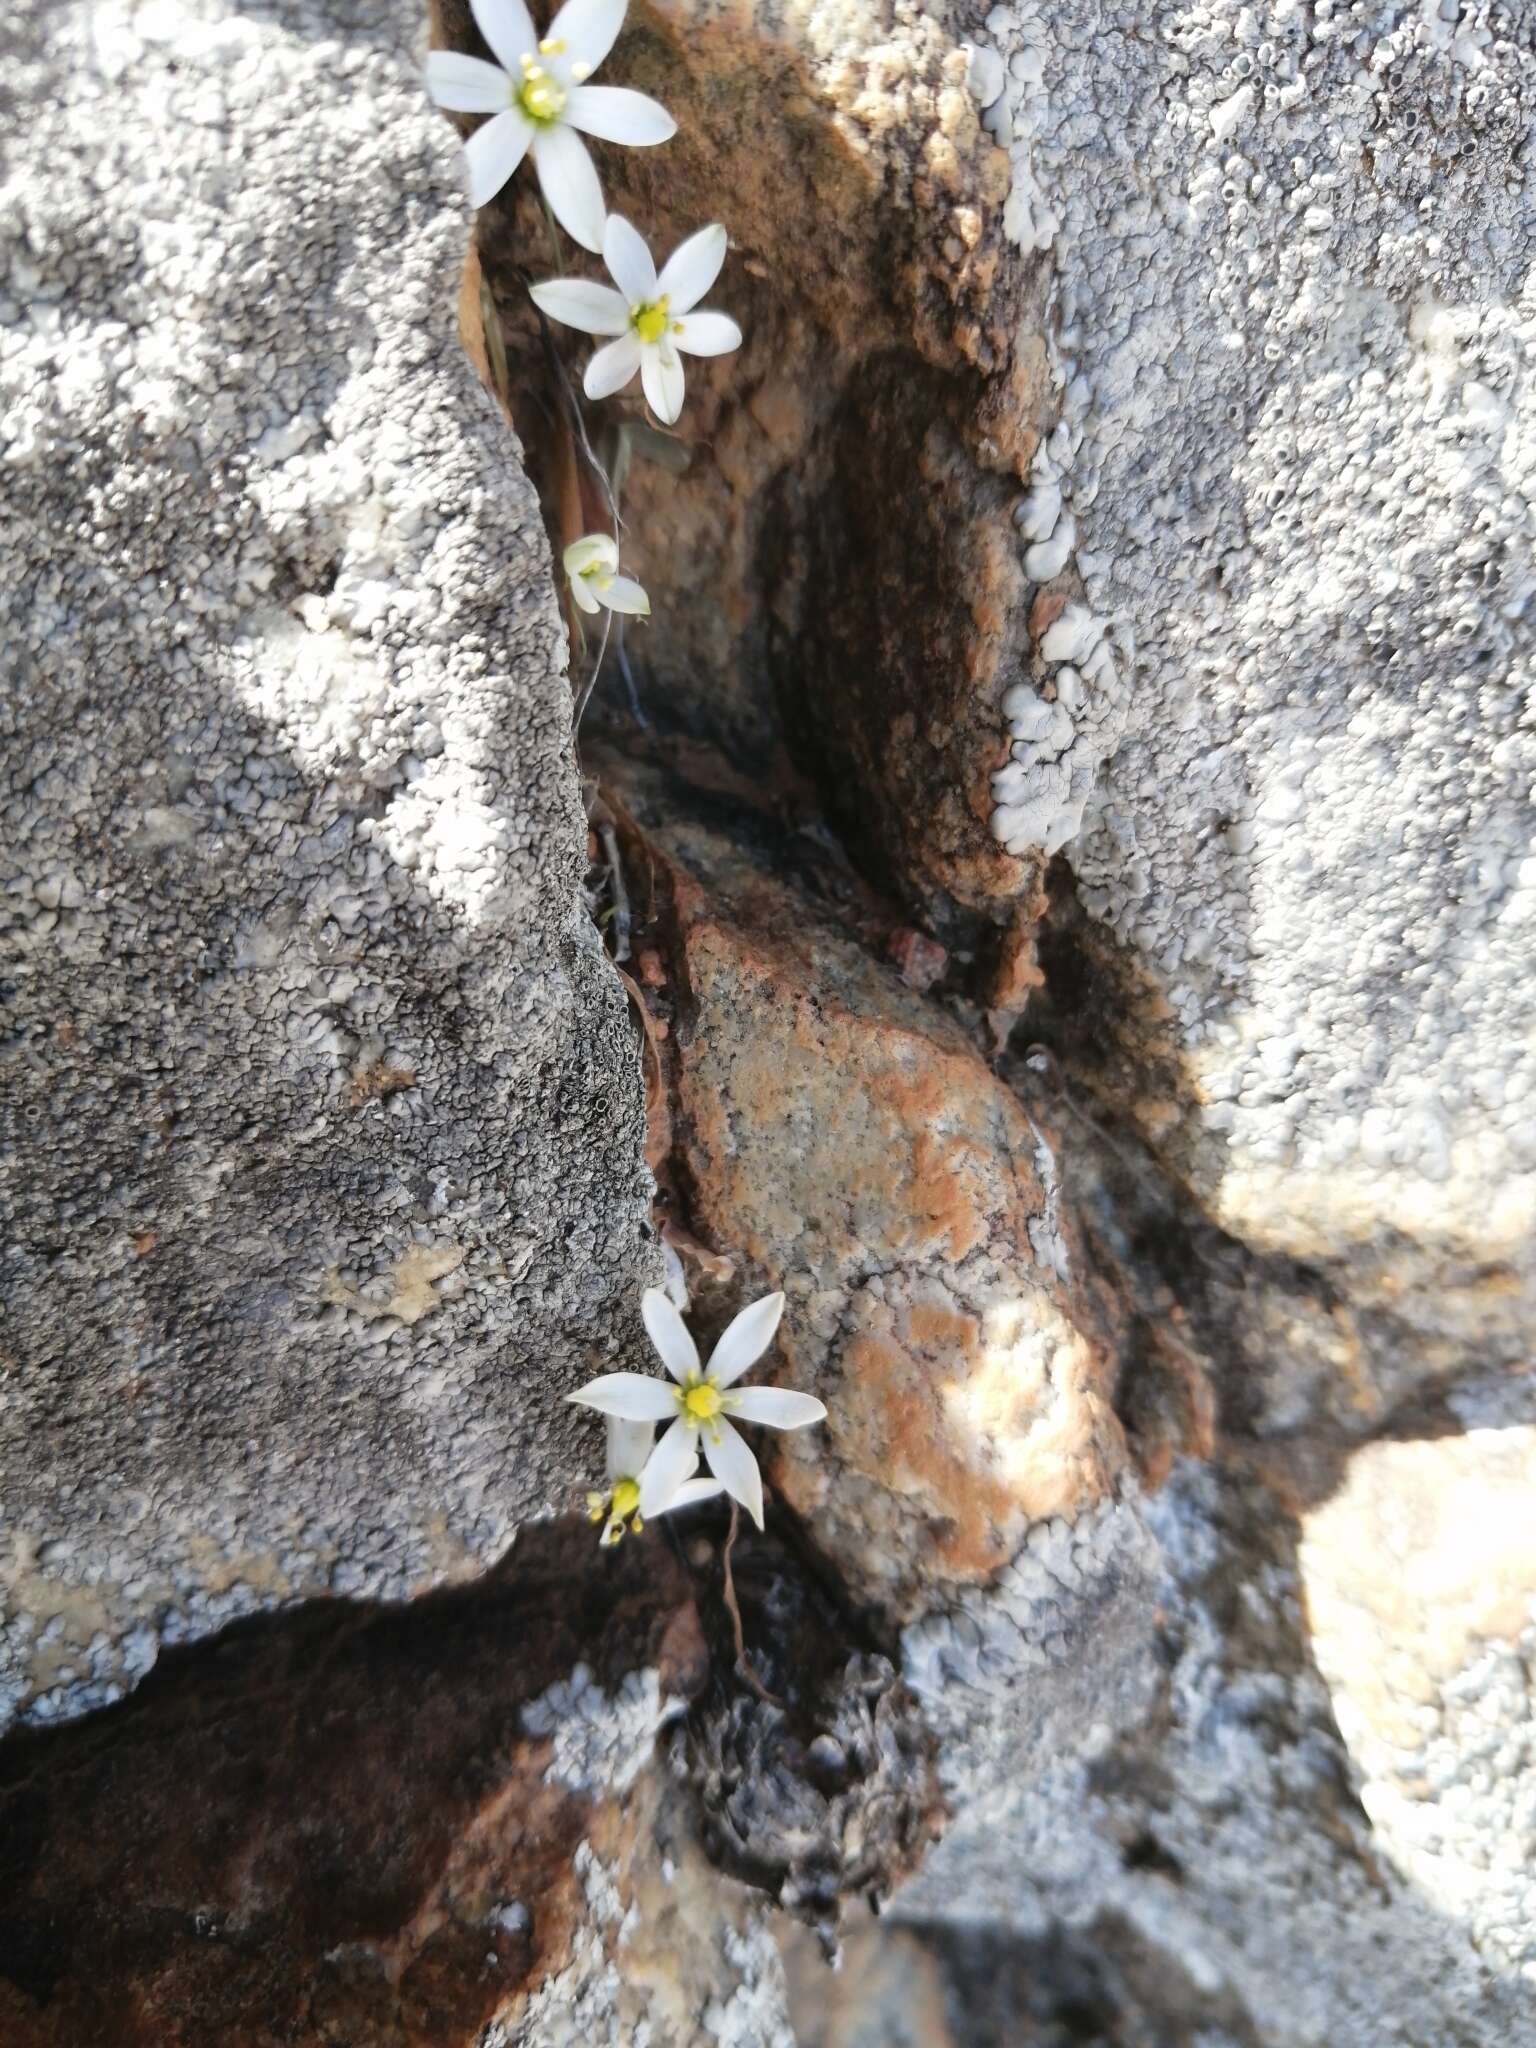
(826, 534)
(323, 1811)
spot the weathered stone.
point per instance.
(322, 1121)
(1154, 1835)
(843, 1139)
(1289, 454)
(353, 1823)
(323, 1127)
(1420, 1577)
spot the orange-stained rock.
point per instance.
(841, 1137)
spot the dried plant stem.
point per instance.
(743, 1668)
(621, 920)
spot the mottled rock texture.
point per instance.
(1420, 1577)
(1284, 735)
(1184, 1859)
(321, 1111)
(1128, 468)
(845, 1139)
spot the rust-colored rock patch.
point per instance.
(841, 1137)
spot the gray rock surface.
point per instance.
(321, 1110)
(1289, 752)
(322, 1115)
(1182, 1856)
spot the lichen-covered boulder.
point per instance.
(322, 1170)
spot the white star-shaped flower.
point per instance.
(538, 99)
(700, 1403)
(652, 317)
(618, 1507)
(591, 568)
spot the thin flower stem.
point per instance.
(629, 682)
(590, 684)
(744, 1669)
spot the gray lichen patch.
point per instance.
(1149, 1796)
(600, 1740)
(321, 1111)
(1278, 534)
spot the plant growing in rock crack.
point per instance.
(702, 1404)
(540, 103)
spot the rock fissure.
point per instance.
(1112, 447)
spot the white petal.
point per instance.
(735, 1467)
(592, 551)
(629, 1395)
(612, 367)
(588, 28)
(578, 302)
(661, 376)
(706, 334)
(677, 1279)
(467, 85)
(570, 184)
(778, 1407)
(581, 590)
(624, 594)
(674, 1459)
(615, 114)
(692, 1491)
(693, 267)
(746, 1339)
(494, 152)
(669, 1333)
(629, 261)
(508, 27)
(629, 1445)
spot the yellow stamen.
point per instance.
(626, 1498)
(702, 1402)
(651, 322)
(551, 46)
(542, 98)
